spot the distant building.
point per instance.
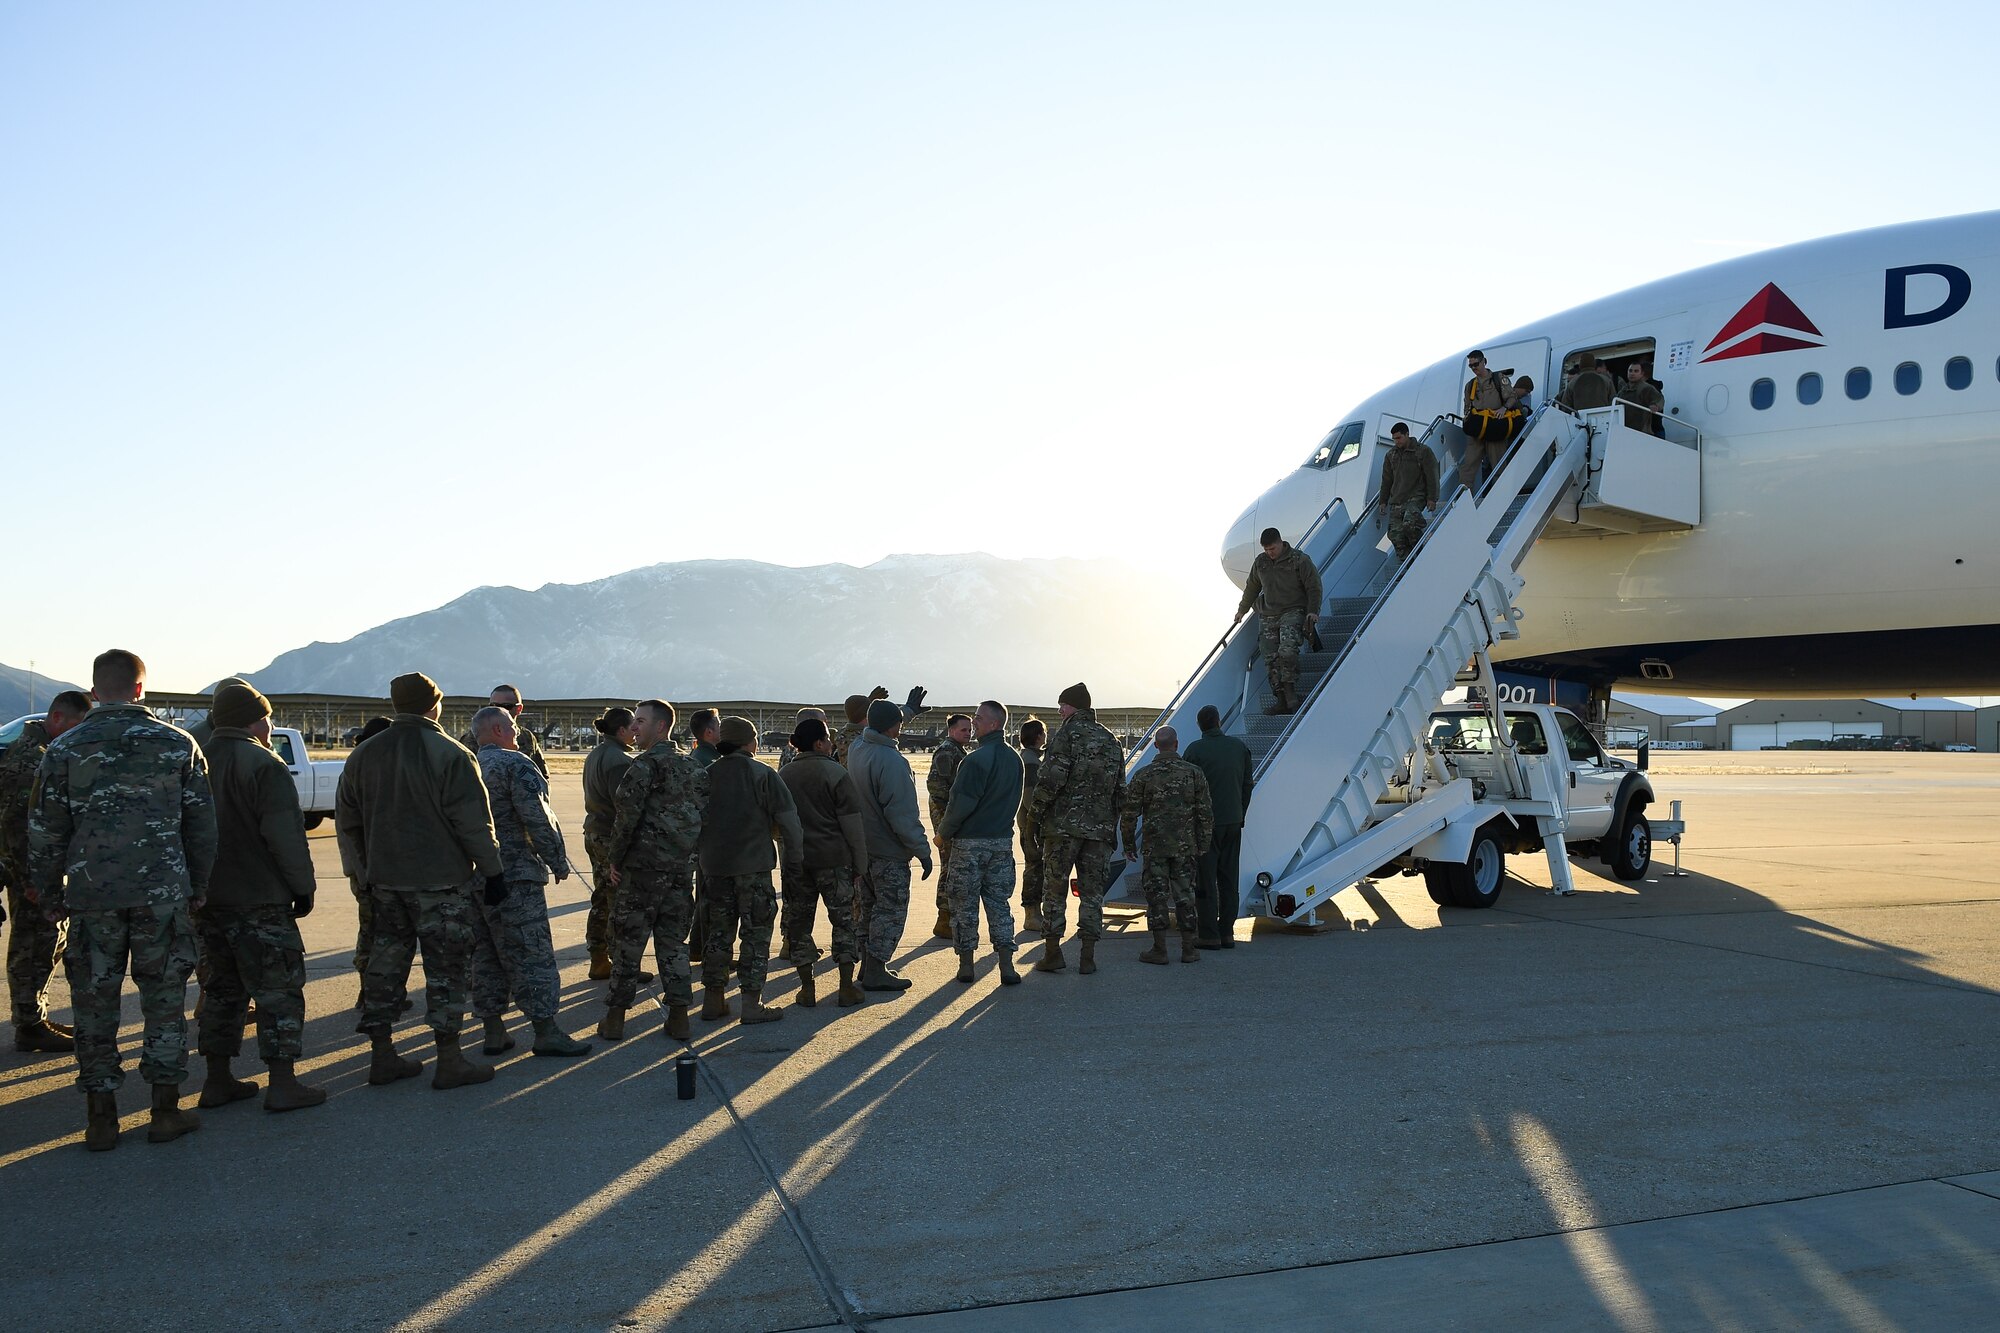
(1986, 729)
(1651, 717)
(1763, 724)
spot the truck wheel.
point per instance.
(1477, 883)
(1633, 852)
(1437, 885)
(314, 821)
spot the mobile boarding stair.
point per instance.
(1395, 637)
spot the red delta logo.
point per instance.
(1770, 321)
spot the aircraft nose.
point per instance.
(1240, 547)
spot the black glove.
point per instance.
(916, 701)
(879, 692)
(302, 906)
(496, 890)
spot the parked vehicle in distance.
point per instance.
(1960, 747)
(12, 731)
(318, 780)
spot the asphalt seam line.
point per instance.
(822, 1271)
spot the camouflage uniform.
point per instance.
(843, 741)
(524, 738)
(1077, 798)
(121, 837)
(36, 943)
(747, 902)
(944, 767)
(894, 834)
(747, 804)
(1283, 591)
(1409, 487)
(250, 943)
(982, 871)
(829, 806)
(1031, 840)
(696, 934)
(883, 905)
(437, 921)
(511, 946)
(1171, 796)
(603, 770)
(653, 838)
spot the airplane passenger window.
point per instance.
(1909, 378)
(1809, 388)
(1762, 394)
(1859, 382)
(1958, 373)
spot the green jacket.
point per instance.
(603, 769)
(1225, 762)
(748, 804)
(1588, 389)
(829, 806)
(122, 817)
(261, 859)
(1289, 583)
(660, 803)
(412, 802)
(704, 754)
(986, 795)
(1171, 795)
(17, 789)
(1082, 783)
(1409, 473)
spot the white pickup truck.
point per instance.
(318, 780)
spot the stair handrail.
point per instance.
(1458, 496)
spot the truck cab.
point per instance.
(317, 780)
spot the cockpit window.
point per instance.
(1341, 443)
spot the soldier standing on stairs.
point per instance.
(1171, 795)
(1284, 589)
(1409, 490)
(944, 768)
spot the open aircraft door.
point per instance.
(1530, 358)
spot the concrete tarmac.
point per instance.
(1759, 1096)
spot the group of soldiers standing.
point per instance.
(175, 854)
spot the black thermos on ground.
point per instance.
(684, 1073)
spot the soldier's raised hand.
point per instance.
(879, 692)
(916, 700)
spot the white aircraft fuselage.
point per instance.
(1849, 540)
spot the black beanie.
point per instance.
(1076, 696)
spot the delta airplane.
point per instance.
(1846, 392)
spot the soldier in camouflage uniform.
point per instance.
(509, 698)
(1034, 739)
(357, 884)
(1284, 587)
(747, 803)
(1077, 799)
(121, 841)
(248, 927)
(895, 834)
(36, 944)
(857, 717)
(836, 847)
(978, 824)
(1409, 490)
(511, 946)
(1171, 796)
(702, 728)
(650, 863)
(937, 786)
(603, 770)
(412, 802)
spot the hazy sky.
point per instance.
(315, 317)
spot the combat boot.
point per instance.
(756, 1011)
(1031, 919)
(1052, 958)
(677, 1022)
(497, 1039)
(221, 1087)
(384, 1065)
(942, 930)
(875, 975)
(600, 964)
(169, 1121)
(552, 1040)
(850, 994)
(714, 1004)
(1291, 698)
(286, 1093)
(453, 1069)
(1189, 948)
(612, 1026)
(41, 1035)
(965, 966)
(1087, 964)
(808, 993)
(100, 1132)
(1158, 953)
(1008, 976)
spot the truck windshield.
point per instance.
(1474, 731)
